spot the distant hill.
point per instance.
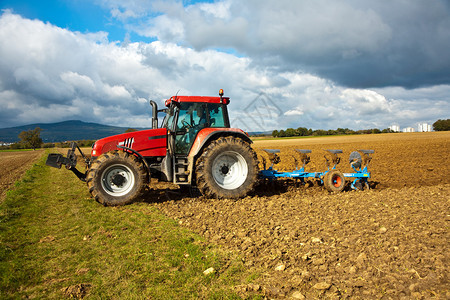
(259, 133)
(64, 131)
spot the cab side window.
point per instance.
(216, 115)
(193, 117)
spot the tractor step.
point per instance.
(181, 170)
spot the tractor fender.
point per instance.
(208, 134)
(147, 167)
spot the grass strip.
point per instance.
(18, 150)
(56, 242)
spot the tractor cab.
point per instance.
(188, 115)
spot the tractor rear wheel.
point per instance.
(227, 168)
(334, 181)
(116, 178)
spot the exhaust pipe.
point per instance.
(154, 114)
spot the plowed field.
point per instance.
(12, 167)
(389, 242)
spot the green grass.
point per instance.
(53, 237)
(18, 150)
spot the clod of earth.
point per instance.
(209, 271)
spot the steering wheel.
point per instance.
(186, 124)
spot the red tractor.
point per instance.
(195, 146)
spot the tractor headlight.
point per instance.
(94, 151)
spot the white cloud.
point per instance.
(82, 83)
(365, 102)
(49, 74)
(294, 112)
(163, 28)
(124, 10)
(220, 10)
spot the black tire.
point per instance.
(116, 178)
(227, 168)
(334, 181)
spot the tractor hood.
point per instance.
(151, 142)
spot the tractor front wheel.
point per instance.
(227, 168)
(116, 178)
(334, 181)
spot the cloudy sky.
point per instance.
(284, 63)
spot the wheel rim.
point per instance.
(336, 180)
(117, 180)
(229, 170)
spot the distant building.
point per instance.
(394, 128)
(424, 127)
(408, 129)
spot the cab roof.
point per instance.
(202, 99)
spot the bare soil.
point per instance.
(13, 165)
(389, 242)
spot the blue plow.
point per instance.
(332, 178)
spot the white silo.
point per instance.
(424, 127)
(394, 128)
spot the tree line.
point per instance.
(439, 125)
(303, 131)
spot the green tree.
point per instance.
(302, 131)
(441, 125)
(376, 130)
(31, 138)
(319, 132)
(275, 133)
(290, 132)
